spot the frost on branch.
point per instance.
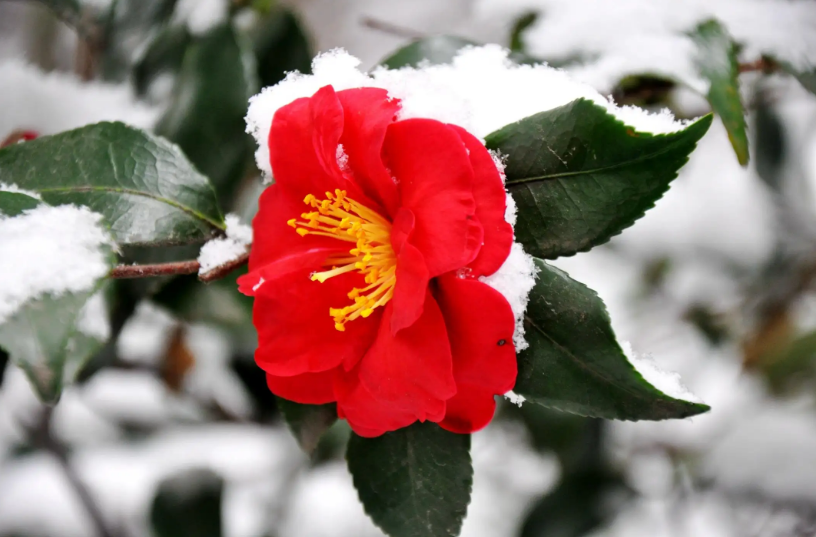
(56, 250)
(221, 251)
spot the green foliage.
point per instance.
(414, 481)
(521, 24)
(434, 50)
(579, 176)
(307, 422)
(716, 62)
(280, 46)
(188, 504)
(14, 203)
(144, 186)
(164, 55)
(206, 115)
(574, 362)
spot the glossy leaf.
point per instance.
(281, 45)
(434, 50)
(14, 203)
(206, 115)
(189, 504)
(144, 186)
(307, 422)
(716, 62)
(579, 176)
(413, 481)
(574, 362)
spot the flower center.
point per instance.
(342, 218)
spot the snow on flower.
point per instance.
(222, 250)
(366, 265)
(57, 250)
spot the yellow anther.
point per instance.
(292, 222)
(302, 232)
(309, 199)
(340, 327)
(366, 313)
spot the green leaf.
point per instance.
(188, 504)
(574, 362)
(164, 55)
(14, 203)
(435, 50)
(716, 62)
(307, 422)
(805, 77)
(281, 46)
(206, 115)
(519, 27)
(579, 176)
(45, 339)
(413, 481)
(144, 186)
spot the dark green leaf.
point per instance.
(307, 422)
(805, 77)
(4, 359)
(769, 143)
(189, 505)
(414, 481)
(281, 46)
(579, 176)
(164, 55)
(521, 24)
(144, 186)
(435, 50)
(574, 362)
(716, 62)
(206, 115)
(14, 203)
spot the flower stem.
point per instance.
(177, 268)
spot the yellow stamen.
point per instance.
(342, 218)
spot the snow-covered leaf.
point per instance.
(206, 115)
(575, 364)
(145, 188)
(413, 481)
(307, 422)
(716, 61)
(580, 176)
(430, 50)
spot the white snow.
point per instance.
(515, 398)
(481, 91)
(220, 251)
(55, 250)
(515, 279)
(93, 319)
(667, 382)
(53, 102)
(146, 334)
(649, 36)
(200, 16)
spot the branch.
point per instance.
(177, 268)
(389, 28)
(43, 438)
(763, 64)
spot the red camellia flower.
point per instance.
(369, 295)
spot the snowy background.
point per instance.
(716, 283)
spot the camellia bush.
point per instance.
(394, 244)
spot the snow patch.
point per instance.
(17, 190)
(201, 16)
(481, 91)
(515, 398)
(515, 279)
(93, 319)
(667, 382)
(56, 250)
(223, 250)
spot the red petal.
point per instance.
(308, 388)
(296, 334)
(367, 114)
(435, 181)
(411, 370)
(277, 249)
(469, 410)
(491, 202)
(367, 415)
(303, 144)
(480, 324)
(412, 274)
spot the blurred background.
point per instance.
(171, 430)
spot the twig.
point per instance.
(389, 28)
(43, 437)
(177, 268)
(763, 64)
